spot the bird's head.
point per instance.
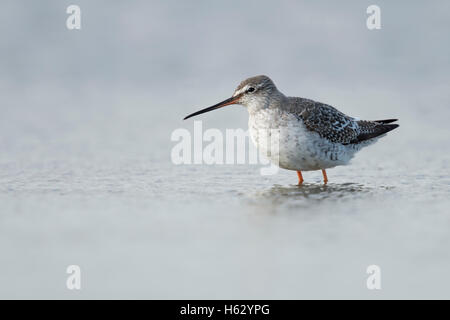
(253, 92)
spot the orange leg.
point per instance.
(325, 178)
(300, 177)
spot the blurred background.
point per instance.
(86, 176)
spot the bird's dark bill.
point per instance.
(227, 102)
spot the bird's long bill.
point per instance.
(224, 103)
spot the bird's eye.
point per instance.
(251, 89)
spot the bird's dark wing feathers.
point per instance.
(386, 121)
(337, 127)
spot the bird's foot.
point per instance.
(325, 178)
(300, 178)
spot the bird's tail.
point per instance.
(374, 129)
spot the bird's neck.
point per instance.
(269, 101)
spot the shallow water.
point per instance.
(86, 176)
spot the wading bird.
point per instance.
(312, 135)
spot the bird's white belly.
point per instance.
(283, 138)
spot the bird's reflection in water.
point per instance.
(317, 191)
(309, 195)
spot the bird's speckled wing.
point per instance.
(336, 126)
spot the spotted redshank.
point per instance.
(312, 135)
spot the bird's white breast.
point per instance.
(284, 139)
